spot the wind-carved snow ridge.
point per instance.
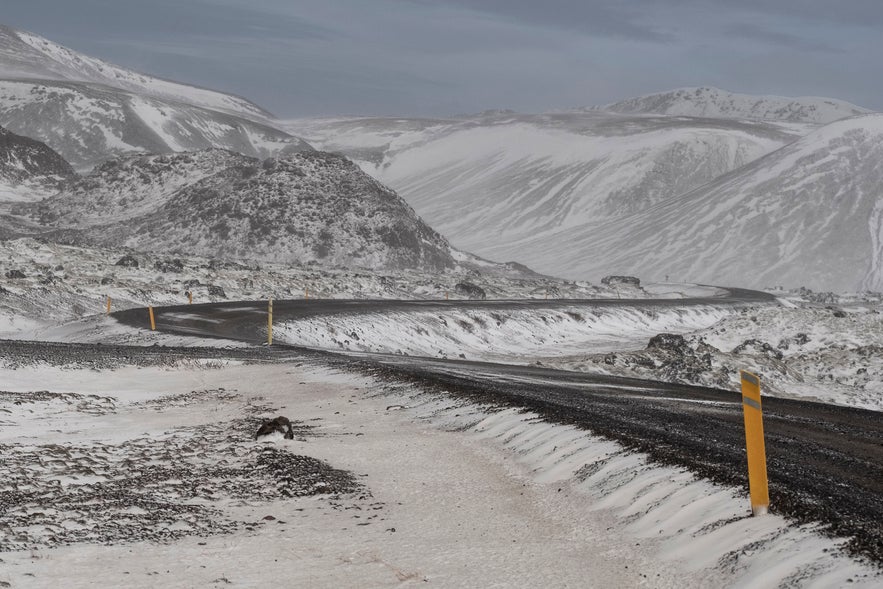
(699, 524)
(510, 335)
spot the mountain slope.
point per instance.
(25, 55)
(808, 214)
(716, 103)
(89, 123)
(490, 181)
(29, 169)
(302, 207)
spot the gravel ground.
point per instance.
(69, 487)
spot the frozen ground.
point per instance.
(424, 489)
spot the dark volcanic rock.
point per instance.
(174, 266)
(469, 290)
(216, 291)
(756, 346)
(280, 425)
(669, 342)
(621, 281)
(127, 261)
(23, 159)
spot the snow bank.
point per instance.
(513, 335)
(693, 522)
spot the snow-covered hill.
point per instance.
(90, 123)
(26, 55)
(29, 169)
(302, 207)
(808, 214)
(720, 104)
(490, 181)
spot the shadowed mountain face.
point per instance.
(29, 169)
(303, 207)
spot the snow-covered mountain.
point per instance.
(564, 192)
(490, 181)
(720, 104)
(808, 214)
(26, 55)
(301, 207)
(29, 169)
(91, 111)
(90, 123)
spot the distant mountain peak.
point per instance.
(713, 102)
(30, 56)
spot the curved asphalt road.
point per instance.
(825, 462)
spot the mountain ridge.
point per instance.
(27, 55)
(808, 214)
(707, 101)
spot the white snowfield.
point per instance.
(807, 214)
(455, 495)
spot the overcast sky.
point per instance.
(440, 57)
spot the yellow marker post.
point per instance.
(108, 304)
(757, 479)
(189, 297)
(152, 320)
(270, 322)
(446, 295)
(306, 293)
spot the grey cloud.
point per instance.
(786, 40)
(422, 57)
(605, 18)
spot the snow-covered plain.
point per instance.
(452, 494)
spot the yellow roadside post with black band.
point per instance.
(152, 320)
(270, 322)
(757, 480)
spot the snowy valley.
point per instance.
(507, 345)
